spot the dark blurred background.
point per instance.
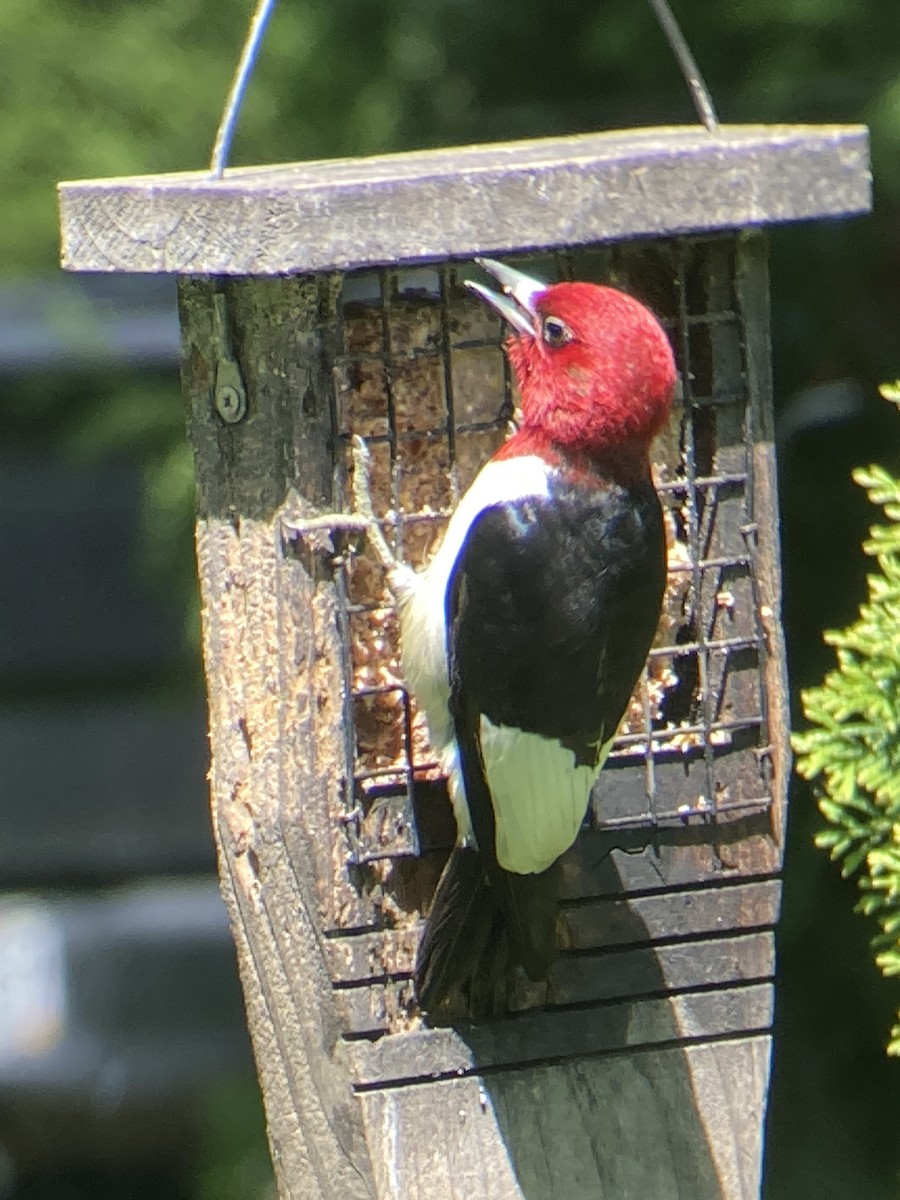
(124, 1068)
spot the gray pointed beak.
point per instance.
(520, 292)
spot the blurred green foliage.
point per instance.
(90, 89)
(233, 1158)
(852, 748)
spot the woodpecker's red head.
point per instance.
(594, 366)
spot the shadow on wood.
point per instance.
(597, 1094)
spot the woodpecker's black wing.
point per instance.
(552, 606)
(551, 609)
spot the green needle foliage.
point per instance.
(853, 745)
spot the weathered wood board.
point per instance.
(436, 204)
(270, 642)
(668, 1124)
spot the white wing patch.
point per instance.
(540, 795)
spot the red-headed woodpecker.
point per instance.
(523, 639)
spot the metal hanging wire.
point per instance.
(264, 9)
(229, 118)
(687, 63)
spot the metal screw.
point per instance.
(231, 404)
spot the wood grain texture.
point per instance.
(464, 201)
(586, 980)
(406, 1059)
(275, 710)
(590, 925)
(753, 297)
(668, 1124)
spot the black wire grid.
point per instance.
(423, 378)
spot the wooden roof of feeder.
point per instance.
(331, 214)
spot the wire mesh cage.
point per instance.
(421, 375)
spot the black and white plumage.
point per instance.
(524, 637)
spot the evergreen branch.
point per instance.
(852, 747)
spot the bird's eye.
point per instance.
(556, 332)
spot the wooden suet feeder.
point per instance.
(319, 300)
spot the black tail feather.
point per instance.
(469, 952)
